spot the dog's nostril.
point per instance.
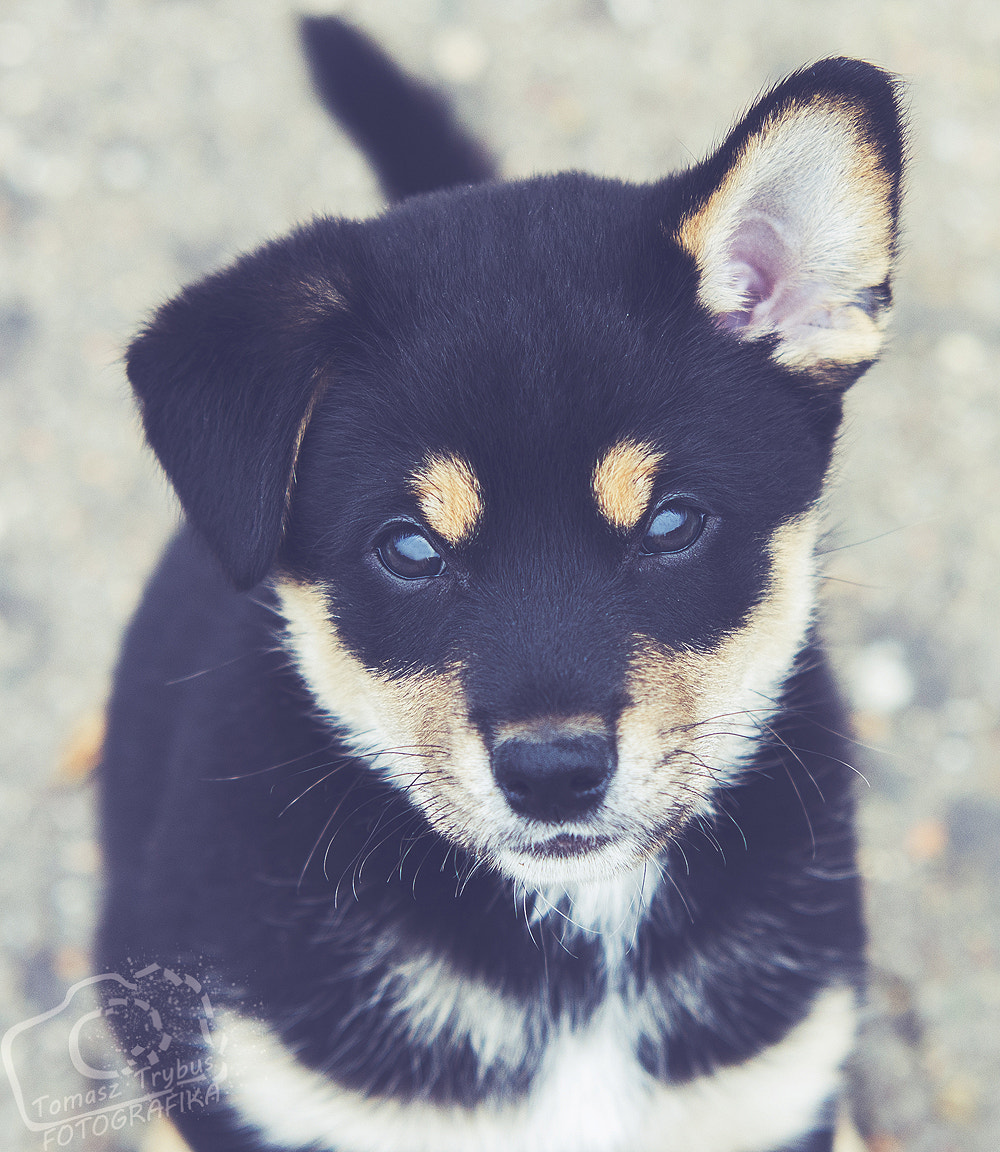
(557, 779)
(585, 782)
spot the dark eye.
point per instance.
(674, 527)
(408, 553)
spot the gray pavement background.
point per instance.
(144, 143)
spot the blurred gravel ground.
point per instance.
(143, 143)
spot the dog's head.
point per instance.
(533, 467)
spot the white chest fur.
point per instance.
(591, 1096)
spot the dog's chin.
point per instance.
(568, 859)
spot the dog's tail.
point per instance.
(405, 129)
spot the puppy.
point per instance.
(473, 762)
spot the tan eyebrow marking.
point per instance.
(623, 482)
(449, 495)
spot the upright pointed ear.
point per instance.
(793, 221)
(227, 375)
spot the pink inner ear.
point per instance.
(759, 263)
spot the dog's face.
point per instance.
(550, 555)
(534, 468)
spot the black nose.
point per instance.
(556, 779)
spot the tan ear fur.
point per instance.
(797, 241)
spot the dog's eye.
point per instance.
(408, 553)
(673, 528)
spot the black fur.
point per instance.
(527, 327)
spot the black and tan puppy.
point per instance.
(472, 752)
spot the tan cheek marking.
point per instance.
(661, 720)
(415, 728)
(623, 482)
(450, 497)
(687, 705)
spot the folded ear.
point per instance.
(226, 375)
(793, 221)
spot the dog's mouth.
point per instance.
(568, 844)
(567, 857)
